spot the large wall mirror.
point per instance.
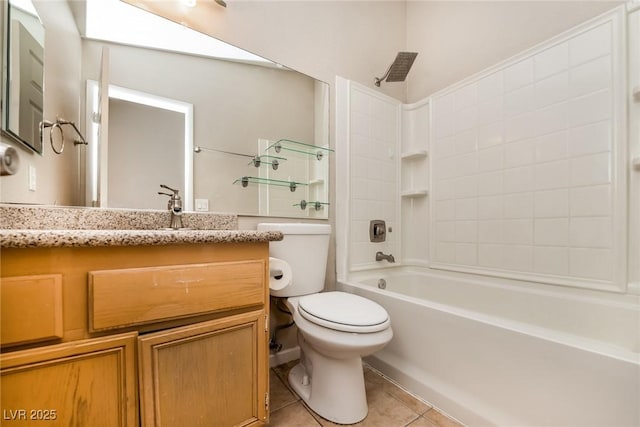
(23, 73)
(249, 144)
(232, 131)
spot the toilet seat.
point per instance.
(344, 312)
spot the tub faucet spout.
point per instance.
(380, 256)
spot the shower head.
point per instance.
(399, 69)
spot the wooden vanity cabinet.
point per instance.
(169, 335)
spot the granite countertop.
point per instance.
(41, 226)
(80, 238)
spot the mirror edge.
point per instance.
(5, 132)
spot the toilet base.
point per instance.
(332, 388)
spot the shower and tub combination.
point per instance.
(499, 353)
(513, 220)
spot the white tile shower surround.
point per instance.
(525, 162)
(373, 177)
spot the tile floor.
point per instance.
(389, 405)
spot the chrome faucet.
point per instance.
(380, 256)
(174, 206)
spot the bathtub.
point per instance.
(498, 352)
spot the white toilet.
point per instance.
(335, 329)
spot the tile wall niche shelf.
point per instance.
(414, 194)
(417, 154)
(318, 181)
(299, 147)
(413, 175)
(246, 180)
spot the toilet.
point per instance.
(335, 329)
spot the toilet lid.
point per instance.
(344, 312)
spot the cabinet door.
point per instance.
(83, 383)
(212, 373)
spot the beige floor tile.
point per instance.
(384, 411)
(279, 393)
(422, 422)
(440, 419)
(282, 371)
(293, 415)
(373, 378)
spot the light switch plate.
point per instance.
(32, 178)
(202, 205)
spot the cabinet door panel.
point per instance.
(85, 383)
(208, 374)
(30, 308)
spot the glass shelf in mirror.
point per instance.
(246, 180)
(273, 161)
(299, 147)
(311, 205)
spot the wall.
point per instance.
(56, 175)
(459, 38)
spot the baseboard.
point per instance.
(284, 356)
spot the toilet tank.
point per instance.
(305, 247)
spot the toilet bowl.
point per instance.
(329, 377)
(335, 329)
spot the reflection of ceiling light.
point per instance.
(189, 3)
(25, 5)
(119, 22)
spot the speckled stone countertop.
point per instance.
(20, 217)
(29, 227)
(79, 238)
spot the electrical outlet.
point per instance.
(32, 178)
(202, 205)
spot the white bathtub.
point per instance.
(499, 352)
